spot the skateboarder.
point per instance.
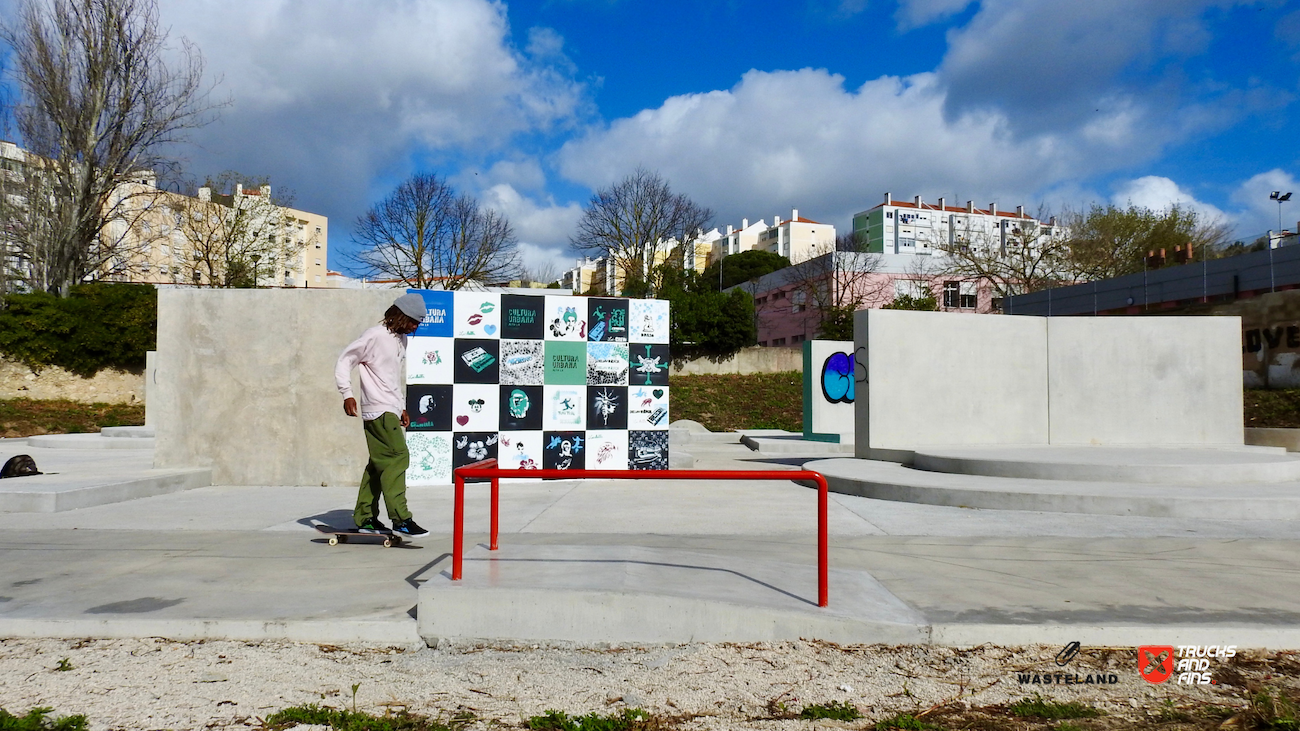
(380, 352)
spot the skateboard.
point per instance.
(341, 535)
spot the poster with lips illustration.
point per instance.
(647, 407)
(475, 407)
(523, 377)
(478, 315)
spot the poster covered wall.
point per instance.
(537, 381)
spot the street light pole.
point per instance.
(256, 258)
(1281, 198)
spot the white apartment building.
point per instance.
(900, 227)
(156, 236)
(798, 239)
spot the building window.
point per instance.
(778, 341)
(797, 339)
(318, 277)
(318, 262)
(778, 296)
(763, 344)
(951, 294)
(968, 296)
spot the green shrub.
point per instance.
(629, 719)
(1040, 707)
(97, 326)
(835, 710)
(344, 720)
(38, 719)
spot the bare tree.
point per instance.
(424, 233)
(1023, 256)
(836, 281)
(231, 225)
(634, 220)
(99, 105)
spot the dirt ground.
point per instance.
(161, 684)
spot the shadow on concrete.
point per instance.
(664, 564)
(334, 518)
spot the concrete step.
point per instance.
(89, 441)
(1147, 465)
(893, 481)
(130, 432)
(52, 493)
(787, 445)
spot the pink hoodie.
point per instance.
(381, 356)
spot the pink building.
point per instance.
(788, 302)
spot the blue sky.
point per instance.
(756, 108)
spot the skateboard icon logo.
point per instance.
(1156, 662)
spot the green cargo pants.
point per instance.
(386, 471)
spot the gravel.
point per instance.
(162, 684)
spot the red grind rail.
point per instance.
(488, 469)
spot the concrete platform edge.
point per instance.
(601, 616)
(1122, 635)
(394, 631)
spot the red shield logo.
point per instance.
(1156, 662)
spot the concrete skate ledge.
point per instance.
(1147, 465)
(794, 445)
(53, 493)
(88, 441)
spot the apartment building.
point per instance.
(796, 238)
(158, 236)
(605, 275)
(900, 227)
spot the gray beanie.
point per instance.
(411, 305)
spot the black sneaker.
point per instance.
(372, 525)
(408, 527)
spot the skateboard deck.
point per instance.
(341, 535)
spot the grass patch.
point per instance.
(1271, 709)
(836, 710)
(905, 721)
(753, 401)
(27, 417)
(38, 719)
(1268, 408)
(629, 719)
(343, 720)
(1040, 707)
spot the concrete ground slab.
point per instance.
(243, 562)
(892, 481)
(1152, 465)
(586, 593)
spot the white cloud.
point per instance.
(1257, 212)
(1160, 194)
(338, 93)
(545, 224)
(799, 139)
(1060, 62)
(916, 13)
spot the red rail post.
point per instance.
(488, 468)
(458, 528)
(496, 491)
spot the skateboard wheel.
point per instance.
(388, 542)
(334, 541)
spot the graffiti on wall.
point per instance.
(837, 378)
